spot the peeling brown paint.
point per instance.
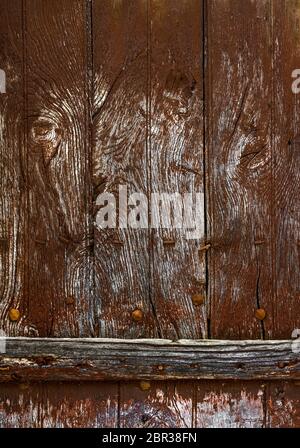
(158, 94)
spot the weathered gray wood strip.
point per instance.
(106, 359)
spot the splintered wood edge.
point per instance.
(45, 359)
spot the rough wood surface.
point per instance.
(56, 405)
(105, 359)
(164, 405)
(283, 405)
(230, 405)
(181, 404)
(285, 311)
(12, 168)
(163, 96)
(120, 126)
(176, 161)
(140, 96)
(239, 91)
(58, 271)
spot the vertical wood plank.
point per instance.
(58, 262)
(230, 405)
(176, 154)
(59, 405)
(239, 166)
(164, 405)
(12, 167)
(283, 405)
(120, 120)
(286, 131)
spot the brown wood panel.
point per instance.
(176, 152)
(239, 92)
(59, 405)
(58, 265)
(283, 405)
(230, 405)
(120, 120)
(156, 404)
(286, 141)
(12, 167)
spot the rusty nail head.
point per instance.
(169, 242)
(260, 314)
(198, 299)
(259, 242)
(14, 314)
(70, 300)
(160, 368)
(145, 385)
(137, 315)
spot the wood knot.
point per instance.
(46, 137)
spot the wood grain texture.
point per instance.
(120, 117)
(181, 404)
(56, 405)
(58, 265)
(230, 405)
(164, 405)
(283, 405)
(112, 359)
(239, 89)
(12, 168)
(286, 141)
(175, 145)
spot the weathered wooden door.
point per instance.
(121, 97)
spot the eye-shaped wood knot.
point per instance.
(46, 138)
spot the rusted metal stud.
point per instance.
(168, 242)
(137, 315)
(70, 300)
(117, 242)
(260, 314)
(145, 385)
(160, 368)
(198, 299)
(259, 242)
(14, 314)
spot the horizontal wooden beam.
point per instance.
(35, 359)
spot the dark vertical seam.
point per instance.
(257, 294)
(266, 390)
(26, 158)
(119, 406)
(273, 220)
(194, 404)
(204, 161)
(149, 167)
(89, 231)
